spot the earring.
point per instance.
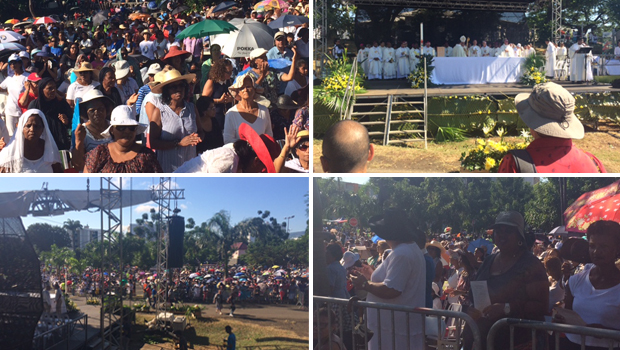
(520, 243)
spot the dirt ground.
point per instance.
(604, 143)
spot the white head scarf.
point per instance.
(12, 156)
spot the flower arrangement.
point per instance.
(532, 74)
(488, 154)
(141, 307)
(331, 91)
(71, 306)
(93, 301)
(416, 78)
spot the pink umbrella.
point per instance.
(44, 20)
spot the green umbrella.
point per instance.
(206, 28)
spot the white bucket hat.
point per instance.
(256, 53)
(154, 69)
(549, 110)
(348, 259)
(121, 68)
(123, 116)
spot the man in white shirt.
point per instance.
(486, 51)
(14, 86)
(161, 45)
(146, 47)
(474, 50)
(459, 49)
(428, 50)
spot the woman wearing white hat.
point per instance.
(122, 154)
(14, 86)
(32, 149)
(95, 108)
(84, 83)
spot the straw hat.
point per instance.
(84, 67)
(123, 116)
(171, 77)
(549, 110)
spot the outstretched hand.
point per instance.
(291, 138)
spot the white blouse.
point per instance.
(262, 124)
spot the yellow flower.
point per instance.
(489, 163)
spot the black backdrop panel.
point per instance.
(176, 229)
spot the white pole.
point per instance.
(421, 36)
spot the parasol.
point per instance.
(267, 5)
(45, 20)
(206, 28)
(180, 9)
(288, 21)
(139, 16)
(224, 5)
(12, 21)
(241, 43)
(99, 18)
(600, 204)
(9, 37)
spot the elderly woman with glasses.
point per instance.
(95, 109)
(246, 111)
(122, 154)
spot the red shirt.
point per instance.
(31, 97)
(556, 155)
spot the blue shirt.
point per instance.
(56, 51)
(232, 342)
(274, 53)
(142, 92)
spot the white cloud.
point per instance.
(183, 206)
(173, 184)
(146, 207)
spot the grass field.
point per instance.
(444, 157)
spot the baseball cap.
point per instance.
(34, 77)
(24, 54)
(152, 26)
(14, 57)
(257, 53)
(511, 218)
(279, 34)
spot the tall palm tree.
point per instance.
(220, 225)
(72, 226)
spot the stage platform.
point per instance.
(379, 88)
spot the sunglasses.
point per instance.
(303, 147)
(122, 128)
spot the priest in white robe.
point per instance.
(550, 56)
(561, 55)
(389, 62)
(375, 65)
(506, 50)
(366, 64)
(402, 59)
(362, 57)
(474, 50)
(485, 50)
(580, 64)
(428, 49)
(459, 49)
(448, 49)
(414, 56)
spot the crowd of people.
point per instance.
(529, 276)
(122, 94)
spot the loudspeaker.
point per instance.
(176, 229)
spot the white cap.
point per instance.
(348, 259)
(257, 53)
(24, 54)
(121, 68)
(154, 69)
(14, 57)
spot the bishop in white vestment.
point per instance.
(402, 59)
(375, 64)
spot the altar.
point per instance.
(476, 70)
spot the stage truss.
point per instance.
(165, 195)
(320, 28)
(502, 6)
(556, 20)
(111, 225)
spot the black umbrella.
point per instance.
(288, 21)
(180, 9)
(224, 5)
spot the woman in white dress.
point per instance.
(246, 111)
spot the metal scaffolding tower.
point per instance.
(556, 20)
(320, 36)
(111, 321)
(165, 194)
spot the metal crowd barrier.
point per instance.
(557, 328)
(62, 334)
(441, 317)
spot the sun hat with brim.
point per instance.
(121, 69)
(511, 218)
(303, 134)
(160, 77)
(170, 77)
(123, 116)
(92, 96)
(176, 51)
(437, 245)
(24, 54)
(261, 144)
(549, 110)
(238, 84)
(348, 259)
(84, 67)
(392, 225)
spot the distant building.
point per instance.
(87, 235)
(240, 248)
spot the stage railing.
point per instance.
(52, 338)
(349, 93)
(606, 334)
(437, 333)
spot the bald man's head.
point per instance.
(346, 148)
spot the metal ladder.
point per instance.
(360, 110)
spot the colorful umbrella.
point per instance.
(267, 5)
(206, 28)
(275, 267)
(139, 16)
(44, 20)
(12, 21)
(600, 204)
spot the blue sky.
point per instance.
(204, 196)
